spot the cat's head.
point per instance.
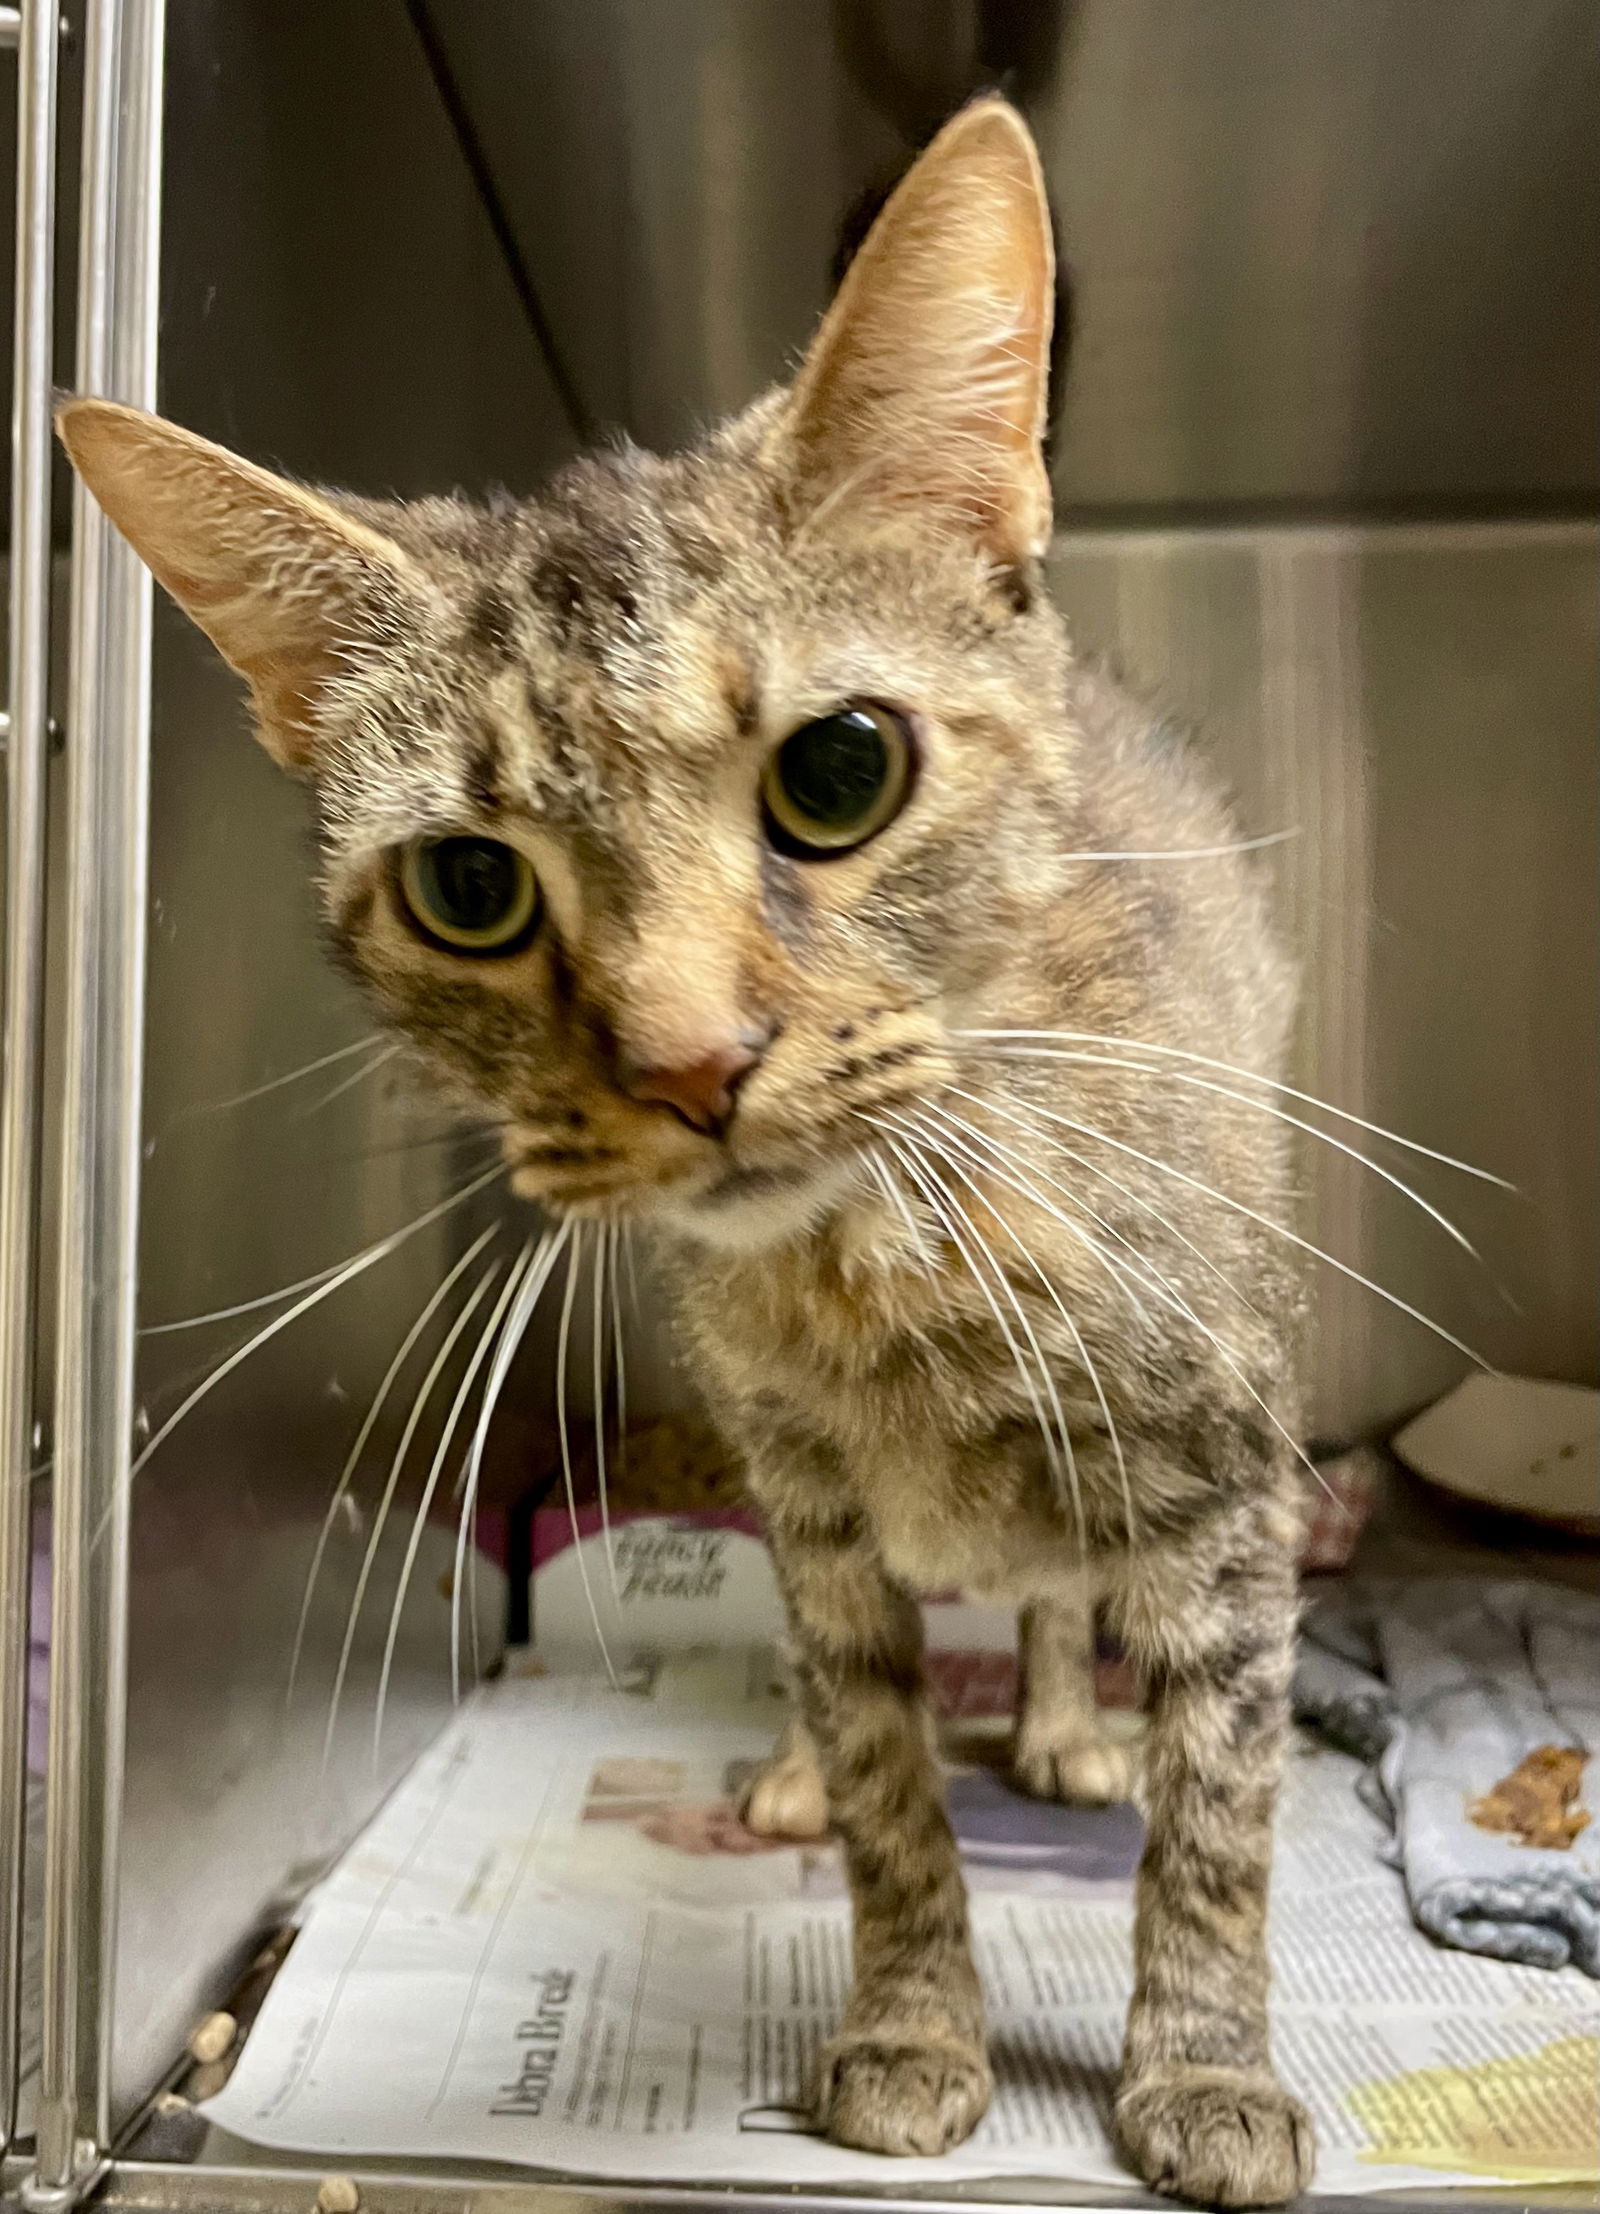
(677, 813)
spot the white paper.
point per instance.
(554, 1947)
(669, 1581)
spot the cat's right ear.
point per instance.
(276, 576)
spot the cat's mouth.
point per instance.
(703, 1188)
(772, 1167)
(756, 1204)
(737, 1183)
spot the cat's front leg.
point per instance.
(907, 2070)
(1200, 2111)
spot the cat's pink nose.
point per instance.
(703, 1091)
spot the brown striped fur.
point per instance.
(596, 675)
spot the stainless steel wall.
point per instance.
(1326, 261)
(1322, 255)
(1419, 704)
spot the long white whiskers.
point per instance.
(915, 1164)
(242, 1306)
(1279, 1229)
(349, 1083)
(1080, 1347)
(992, 1146)
(619, 1356)
(1252, 1076)
(1067, 1457)
(884, 1179)
(351, 1269)
(1192, 853)
(534, 1279)
(1166, 1292)
(486, 1339)
(386, 1500)
(1137, 1199)
(597, 1267)
(1161, 1287)
(563, 1338)
(378, 1251)
(1261, 1107)
(471, 1520)
(277, 1083)
(353, 1457)
(1144, 1271)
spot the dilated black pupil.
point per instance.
(833, 769)
(473, 882)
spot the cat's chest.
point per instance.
(842, 1361)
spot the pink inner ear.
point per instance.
(275, 575)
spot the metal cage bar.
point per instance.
(26, 746)
(108, 717)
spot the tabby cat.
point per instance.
(738, 830)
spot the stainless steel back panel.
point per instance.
(1419, 704)
(1340, 256)
(334, 301)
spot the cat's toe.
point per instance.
(1082, 1771)
(786, 1798)
(1217, 2136)
(885, 2097)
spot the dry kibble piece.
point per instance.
(173, 2102)
(213, 2037)
(338, 2195)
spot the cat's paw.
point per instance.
(786, 1798)
(885, 2095)
(1083, 1770)
(1217, 2136)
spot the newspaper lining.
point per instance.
(555, 1947)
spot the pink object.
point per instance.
(1338, 1509)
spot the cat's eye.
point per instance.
(474, 895)
(836, 782)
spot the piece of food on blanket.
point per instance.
(1537, 1803)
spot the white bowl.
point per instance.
(1516, 1443)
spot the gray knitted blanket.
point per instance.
(1445, 1687)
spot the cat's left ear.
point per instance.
(925, 391)
(277, 577)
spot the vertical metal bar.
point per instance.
(108, 746)
(26, 752)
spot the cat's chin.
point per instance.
(747, 1210)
